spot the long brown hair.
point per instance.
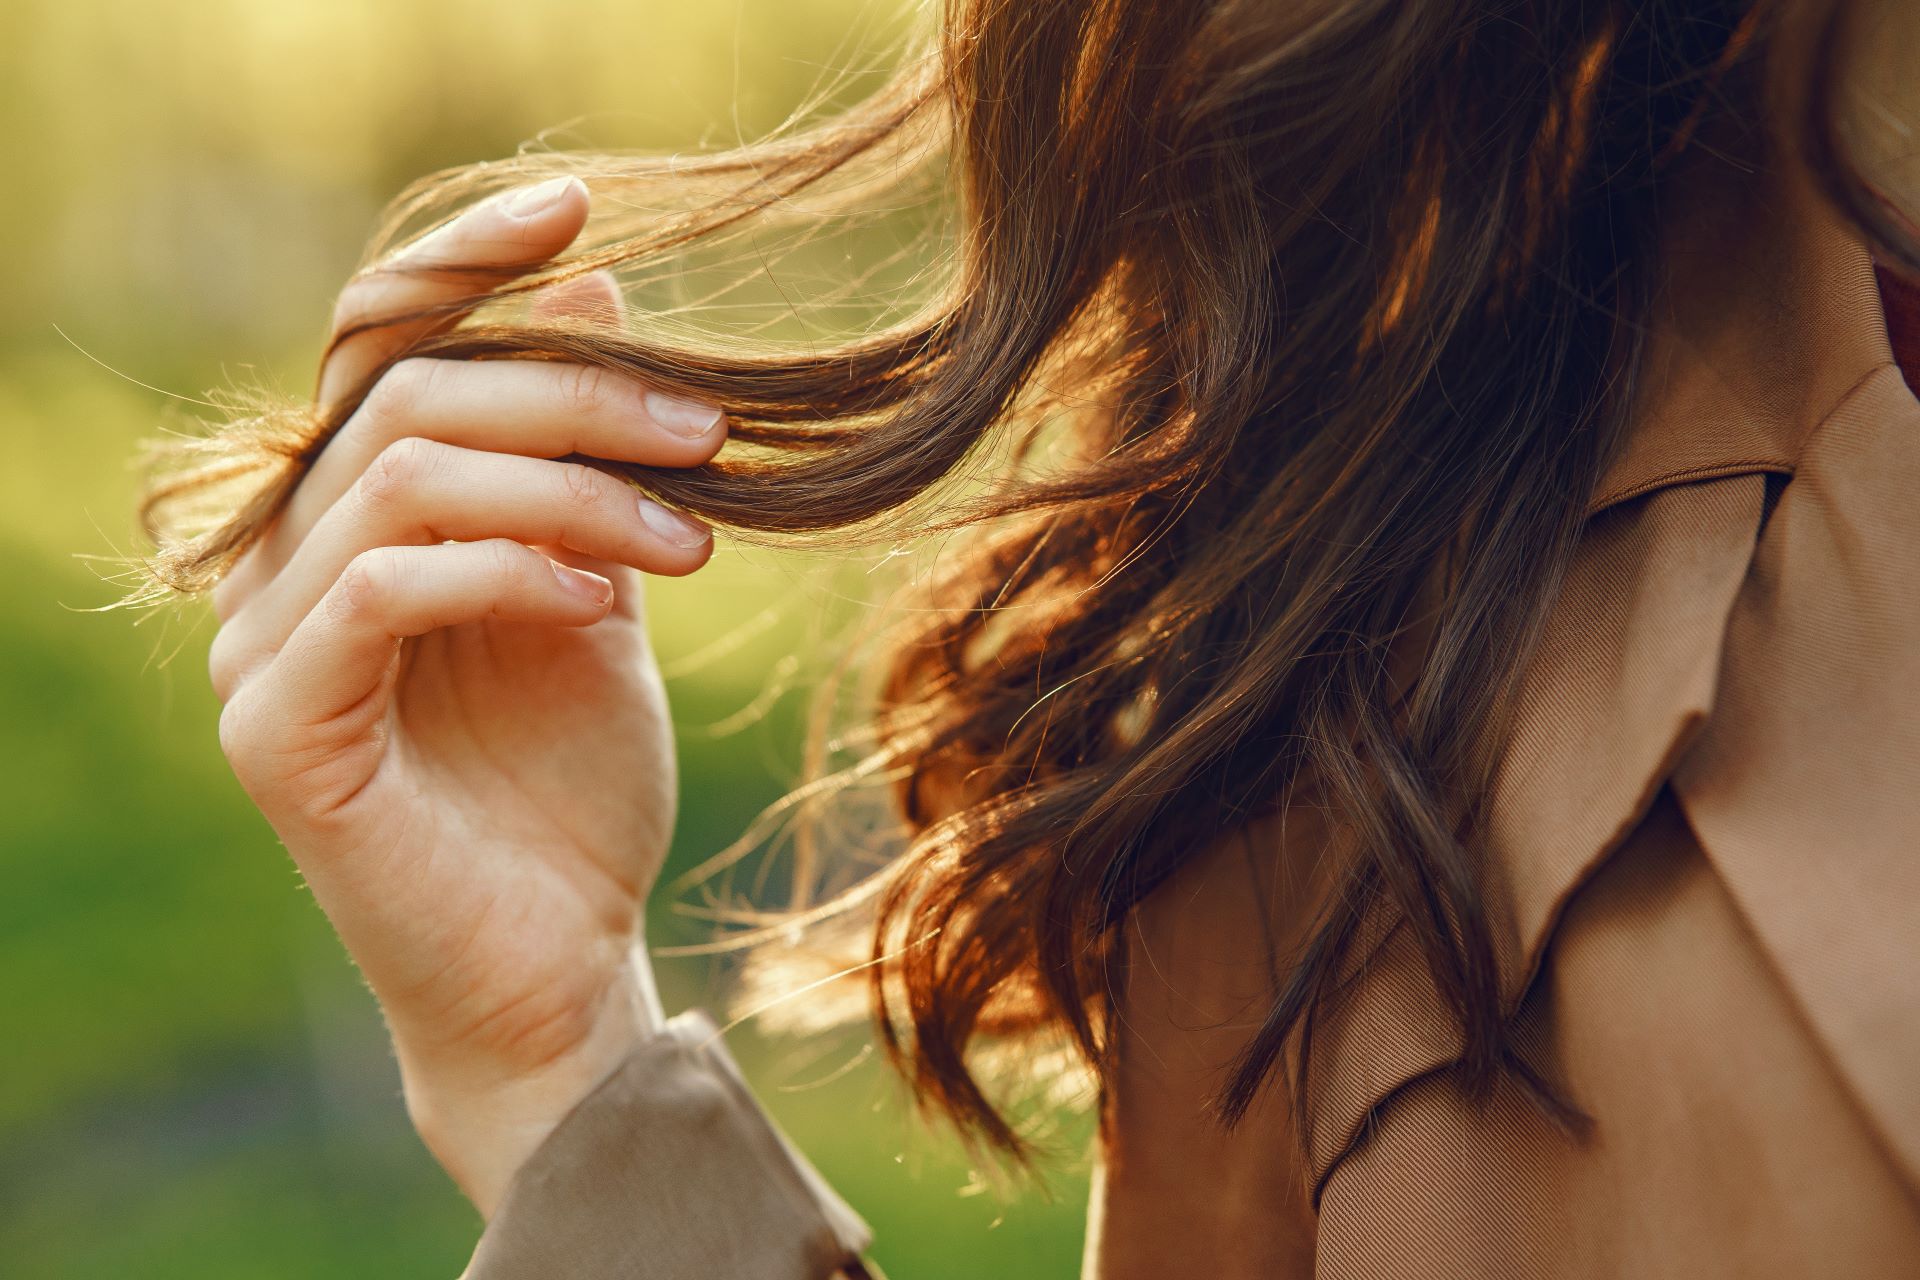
(1326, 316)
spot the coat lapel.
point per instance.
(1804, 789)
(1766, 663)
(1764, 659)
(1768, 323)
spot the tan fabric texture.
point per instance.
(1706, 839)
(668, 1169)
(1705, 847)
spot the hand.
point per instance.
(464, 744)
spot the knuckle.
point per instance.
(397, 470)
(363, 586)
(581, 487)
(509, 561)
(225, 663)
(239, 733)
(402, 390)
(584, 389)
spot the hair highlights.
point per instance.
(1335, 294)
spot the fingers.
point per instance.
(344, 648)
(420, 492)
(516, 230)
(535, 408)
(532, 408)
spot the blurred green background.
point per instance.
(192, 1081)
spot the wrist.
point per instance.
(481, 1120)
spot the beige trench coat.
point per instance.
(1706, 834)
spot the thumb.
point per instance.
(594, 298)
(513, 232)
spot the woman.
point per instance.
(1435, 728)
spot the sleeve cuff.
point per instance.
(670, 1170)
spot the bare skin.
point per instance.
(439, 691)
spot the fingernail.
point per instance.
(538, 199)
(588, 586)
(684, 417)
(671, 526)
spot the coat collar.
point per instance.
(1767, 320)
(1768, 323)
(1767, 315)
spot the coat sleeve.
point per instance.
(670, 1170)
